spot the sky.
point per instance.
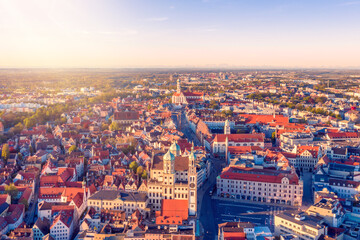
(180, 33)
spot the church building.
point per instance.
(180, 98)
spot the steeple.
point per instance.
(192, 157)
(169, 163)
(84, 182)
(226, 148)
(227, 129)
(178, 90)
(175, 149)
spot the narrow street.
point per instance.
(307, 190)
(30, 218)
(207, 220)
(184, 127)
(206, 217)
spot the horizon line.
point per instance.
(192, 68)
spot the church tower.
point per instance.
(227, 129)
(192, 180)
(178, 90)
(169, 175)
(175, 149)
(226, 149)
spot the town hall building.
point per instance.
(173, 176)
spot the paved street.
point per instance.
(220, 211)
(184, 127)
(30, 218)
(307, 190)
(207, 218)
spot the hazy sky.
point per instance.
(179, 33)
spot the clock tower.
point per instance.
(192, 180)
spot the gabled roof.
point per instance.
(43, 224)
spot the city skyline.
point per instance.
(173, 34)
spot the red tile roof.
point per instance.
(243, 149)
(343, 135)
(264, 119)
(234, 236)
(244, 137)
(175, 208)
(258, 175)
(126, 115)
(314, 150)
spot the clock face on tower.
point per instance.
(192, 185)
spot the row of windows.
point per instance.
(98, 203)
(254, 188)
(259, 184)
(259, 193)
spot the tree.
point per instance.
(5, 152)
(17, 128)
(28, 123)
(20, 156)
(139, 170)
(114, 126)
(273, 137)
(144, 175)
(129, 149)
(133, 165)
(72, 148)
(11, 190)
(31, 150)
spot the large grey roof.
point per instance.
(133, 196)
(105, 195)
(113, 194)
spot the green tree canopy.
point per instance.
(11, 190)
(144, 175)
(139, 170)
(114, 126)
(5, 152)
(72, 148)
(133, 165)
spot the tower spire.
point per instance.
(227, 129)
(178, 86)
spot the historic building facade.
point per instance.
(173, 176)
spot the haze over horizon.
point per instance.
(169, 33)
